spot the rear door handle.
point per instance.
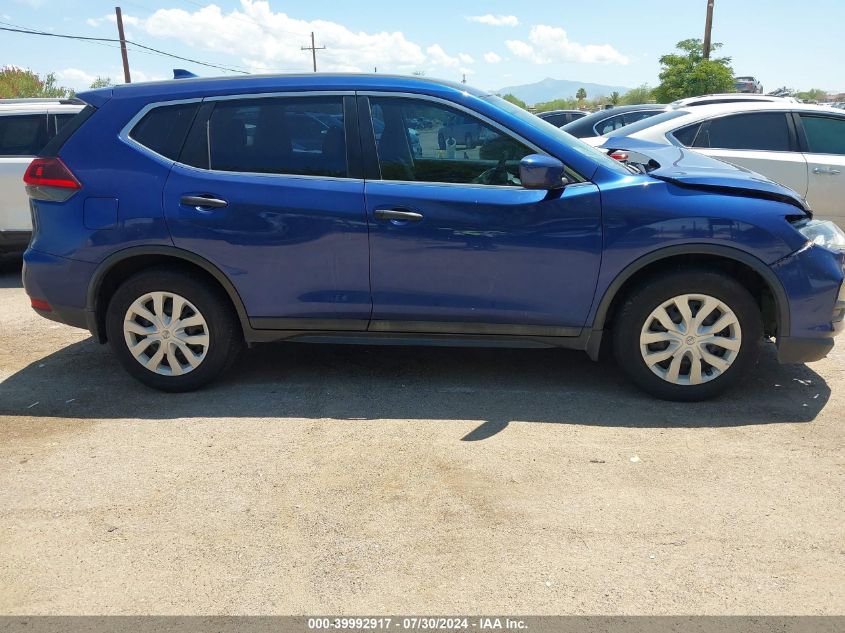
(203, 201)
(398, 214)
(826, 171)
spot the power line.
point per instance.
(110, 39)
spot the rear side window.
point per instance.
(164, 128)
(762, 131)
(825, 135)
(302, 136)
(686, 135)
(23, 134)
(609, 125)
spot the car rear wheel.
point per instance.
(688, 335)
(173, 331)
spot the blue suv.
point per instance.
(181, 220)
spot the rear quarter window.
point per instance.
(163, 129)
(825, 135)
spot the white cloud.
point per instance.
(492, 58)
(266, 41)
(74, 78)
(130, 20)
(495, 20)
(551, 44)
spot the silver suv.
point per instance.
(26, 125)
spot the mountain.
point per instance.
(549, 89)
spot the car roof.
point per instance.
(550, 112)
(256, 84)
(740, 96)
(40, 105)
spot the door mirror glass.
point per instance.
(541, 172)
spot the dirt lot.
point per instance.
(393, 480)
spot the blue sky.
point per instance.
(495, 43)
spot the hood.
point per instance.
(687, 168)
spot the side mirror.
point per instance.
(537, 171)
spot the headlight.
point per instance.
(824, 233)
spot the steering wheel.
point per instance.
(497, 175)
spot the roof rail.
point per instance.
(59, 100)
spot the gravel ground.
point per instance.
(387, 480)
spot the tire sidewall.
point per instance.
(635, 311)
(223, 337)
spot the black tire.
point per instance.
(225, 336)
(643, 300)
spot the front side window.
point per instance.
(22, 135)
(428, 142)
(760, 131)
(825, 135)
(279, 135)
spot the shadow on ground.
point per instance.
(10, 271)
(494, 387)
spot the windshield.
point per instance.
(647, 123)
(591, 153)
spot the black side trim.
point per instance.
(354, 155)
(461, 327)
(372, 170)
(334, 325)
(74, 317)
(752, 262)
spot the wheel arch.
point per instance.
(124, 263)
(688, 255)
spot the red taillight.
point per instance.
(38, 304)
(617, 155)
(50, 172)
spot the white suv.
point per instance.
(26, 125)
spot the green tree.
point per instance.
(640, 94)
(688, 74)
(19, 82)
(515, 100)
(581, 94)
(814, 94)
(102, 82)
(615, 97)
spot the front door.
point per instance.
(825, 147)
(269, 200)
(457, 245)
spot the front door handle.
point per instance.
(398, 214)
(203, 201)
(826, 171)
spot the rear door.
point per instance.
(22, 135)
(823, 139)
(764, 142)
(267, 188)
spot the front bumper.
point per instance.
(813, 280)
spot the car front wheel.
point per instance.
(688, 335)
(173, 331)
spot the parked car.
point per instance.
(798, 145)
(748, 84)
(730, 97)
(606, 121)
(26, 125)
(178, 242)
(457, 130)
(561, 117)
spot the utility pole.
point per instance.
(464, 80)
(123, 54)
(313, 50)
(708, 27)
